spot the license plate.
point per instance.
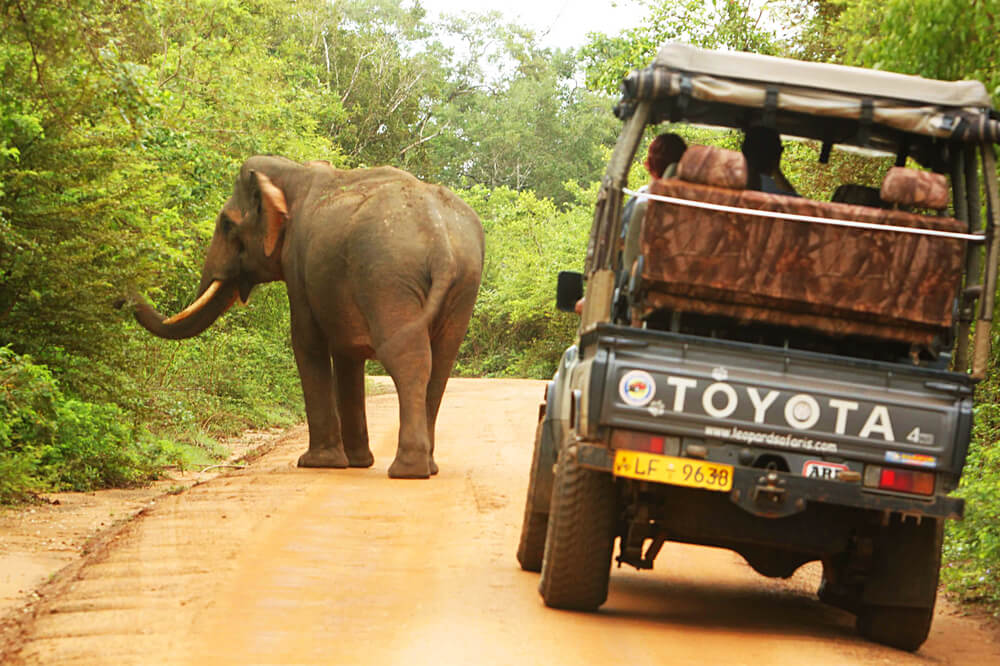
(674, 471)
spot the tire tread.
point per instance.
(577, 563)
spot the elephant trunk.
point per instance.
(194, 319)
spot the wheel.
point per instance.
(897, 602)
(902, 628)
(536, 517)
(580, 537)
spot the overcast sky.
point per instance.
(558, 23)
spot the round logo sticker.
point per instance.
(637, 388)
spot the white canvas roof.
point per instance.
(955, 110)
(854, 81)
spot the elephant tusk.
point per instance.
(197, 305)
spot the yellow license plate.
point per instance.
(675, 471)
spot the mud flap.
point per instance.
(542, 473)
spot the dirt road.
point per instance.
(274, 564)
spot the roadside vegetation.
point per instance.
(122, 126)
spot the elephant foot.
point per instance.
(434, 467)
(335, 458)
(413, 466)
(362, 458)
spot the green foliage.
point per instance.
(535, 132)
(972, 547)
(116, 151)
(800, 164)
(51, 442)
(940, 39)
(515, 329)
(972, 550)
(740, 25)
(527, 124)
(811, 29)
(239, 376)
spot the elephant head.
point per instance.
(245, 250)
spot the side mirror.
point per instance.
(569, 290)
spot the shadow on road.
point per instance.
(732, 607)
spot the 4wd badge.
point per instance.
(637, 388)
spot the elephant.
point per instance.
(377, 264)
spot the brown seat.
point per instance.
(709, 165)
(915, 189)
(837, 280)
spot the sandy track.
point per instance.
(280, 565)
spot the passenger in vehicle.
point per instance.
(762, 148)
(664, 153)
(860, 195)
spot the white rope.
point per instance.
(803, 218)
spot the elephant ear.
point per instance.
(274, 209)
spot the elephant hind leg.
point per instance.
(444, 351)
(406, 355)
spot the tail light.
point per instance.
(906, 481)
(643, 441)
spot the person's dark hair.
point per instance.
(762, 148)
(663, 151)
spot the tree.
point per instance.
(940, 39)
(519, 118)
(516, 329)
(531, 133)
(741, 25)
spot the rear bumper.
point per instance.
(772, 494)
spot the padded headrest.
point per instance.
(708, 165)
(920, 189)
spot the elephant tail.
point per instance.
(443, 277)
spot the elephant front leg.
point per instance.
(326, 448)
(350, 371)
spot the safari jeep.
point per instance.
(788, 378)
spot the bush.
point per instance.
(972, 546)
(50, 441)
(27, 398)
(239, 374)
(516, 330)
(91, 447)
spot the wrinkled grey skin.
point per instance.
(377, 265)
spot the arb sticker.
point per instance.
(637, 388)
(818, 469)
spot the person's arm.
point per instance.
(631, 249)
